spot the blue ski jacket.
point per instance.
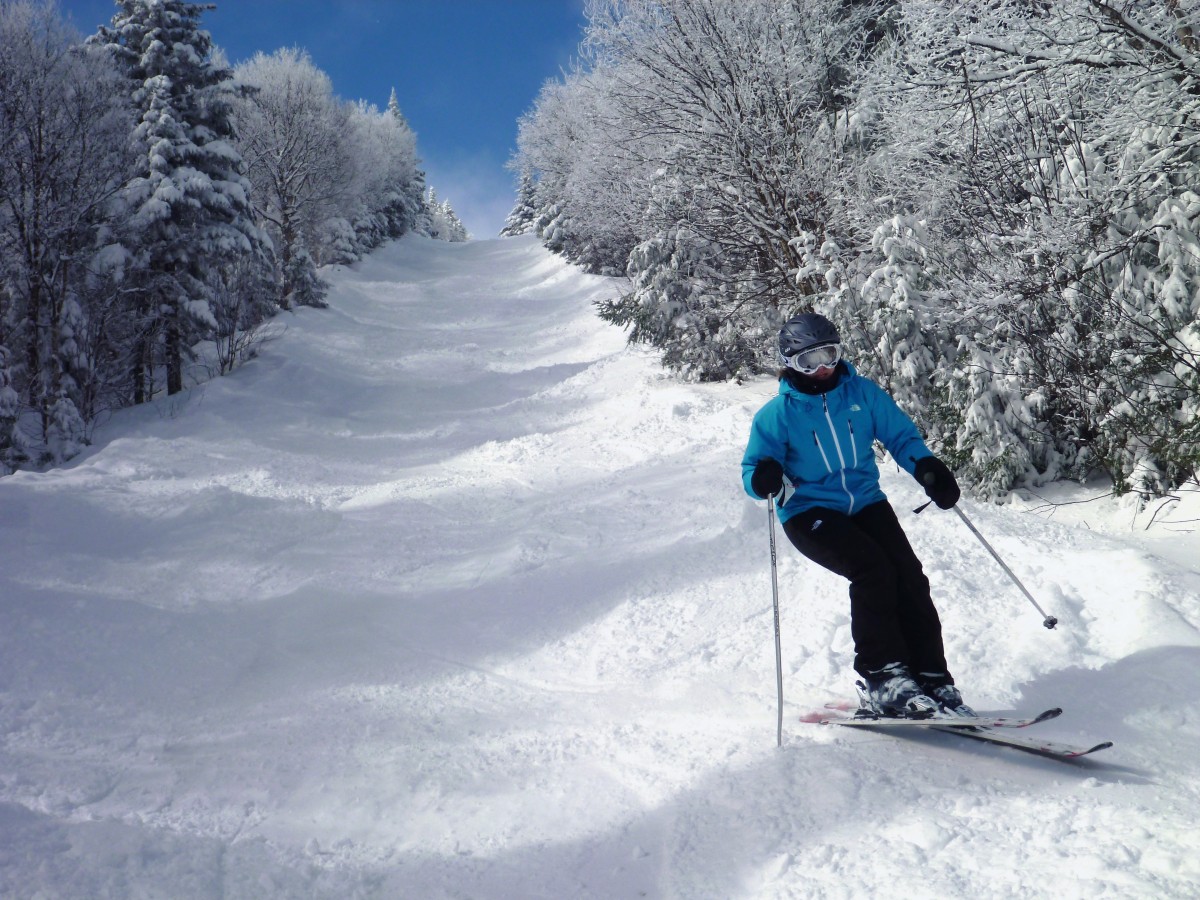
(825, 443)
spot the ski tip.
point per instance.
(1104, 745)
(1052, 713)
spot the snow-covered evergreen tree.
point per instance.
(189, 203)
(679, 304)
(524, 213)
(444, 224)
(407, 208)
(890, 320)
(454, 229)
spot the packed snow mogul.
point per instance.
(812, 449)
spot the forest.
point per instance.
(994, 200)
(158, 207)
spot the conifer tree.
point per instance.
(407, 210)
(444, 224)
(524, 213)
(189, 203)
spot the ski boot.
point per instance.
(940, 686)
(892, 692)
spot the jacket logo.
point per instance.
(817, 524)
(854, 407)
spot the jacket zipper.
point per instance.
(841, 457)
(817, 441)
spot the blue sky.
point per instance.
(464, 71)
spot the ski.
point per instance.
(991, 729)
(1030, 743)
(953, 723)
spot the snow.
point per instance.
(451, 594)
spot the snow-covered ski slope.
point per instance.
(449, 594)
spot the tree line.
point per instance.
(157, 204)
(994, 200)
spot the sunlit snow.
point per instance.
(449, 593)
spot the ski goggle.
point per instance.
(807, 362)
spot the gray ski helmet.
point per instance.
(804, 332)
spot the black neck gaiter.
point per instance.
(806, 385)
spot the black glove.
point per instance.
(767, 480)
(939, 482)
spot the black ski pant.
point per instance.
(892, 618)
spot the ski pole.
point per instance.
(1048, 621)
(775, 601)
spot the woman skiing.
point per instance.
(812, 448)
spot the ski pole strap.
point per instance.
(1048, 621)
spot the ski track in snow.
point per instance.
(451, 594)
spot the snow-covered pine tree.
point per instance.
(189, 203)
(393, 109)
(895, 320)
(456, 231)
(432, 204)
(406, 210)
(444, 224)
(524, 213)
(678, 306)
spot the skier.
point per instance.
(812, 448)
